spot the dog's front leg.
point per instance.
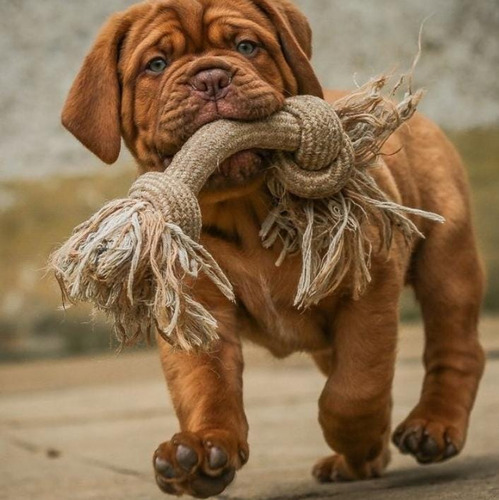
(206, 390)
(355, 406)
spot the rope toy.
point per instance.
(136, 258)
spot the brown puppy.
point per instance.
(157, 73)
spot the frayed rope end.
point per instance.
(133, 265)
(330, 232)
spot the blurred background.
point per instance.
(49, 182)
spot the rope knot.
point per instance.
(323, 163)
(174, 199)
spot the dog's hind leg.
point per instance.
(448, 281)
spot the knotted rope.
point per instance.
(137, 257)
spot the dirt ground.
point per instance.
(86, 429)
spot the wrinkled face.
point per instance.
(164, 68)
(189, 63)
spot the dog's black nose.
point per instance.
(212, 83)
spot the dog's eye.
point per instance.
(246, 48)
(157, 65)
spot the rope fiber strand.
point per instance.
(137, 258)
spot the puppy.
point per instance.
(158, 72)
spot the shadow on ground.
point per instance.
(465, 478)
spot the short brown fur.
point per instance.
(353, 342)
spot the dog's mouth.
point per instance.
(242, 167)
(238, 169)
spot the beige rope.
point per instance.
(136, 258)
(308, 126)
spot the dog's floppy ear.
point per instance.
(296, 42)
(92, 109)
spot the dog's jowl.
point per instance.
(157, 73)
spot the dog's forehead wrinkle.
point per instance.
(186, 14)
(197, 20)
(144, 28)
(229, 12)
(190, 16)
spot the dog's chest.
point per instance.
(267, 314)
(265, 292)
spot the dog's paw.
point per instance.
(335, 468)
(429, 441)
(198, 464)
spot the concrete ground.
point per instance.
(86, 429)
